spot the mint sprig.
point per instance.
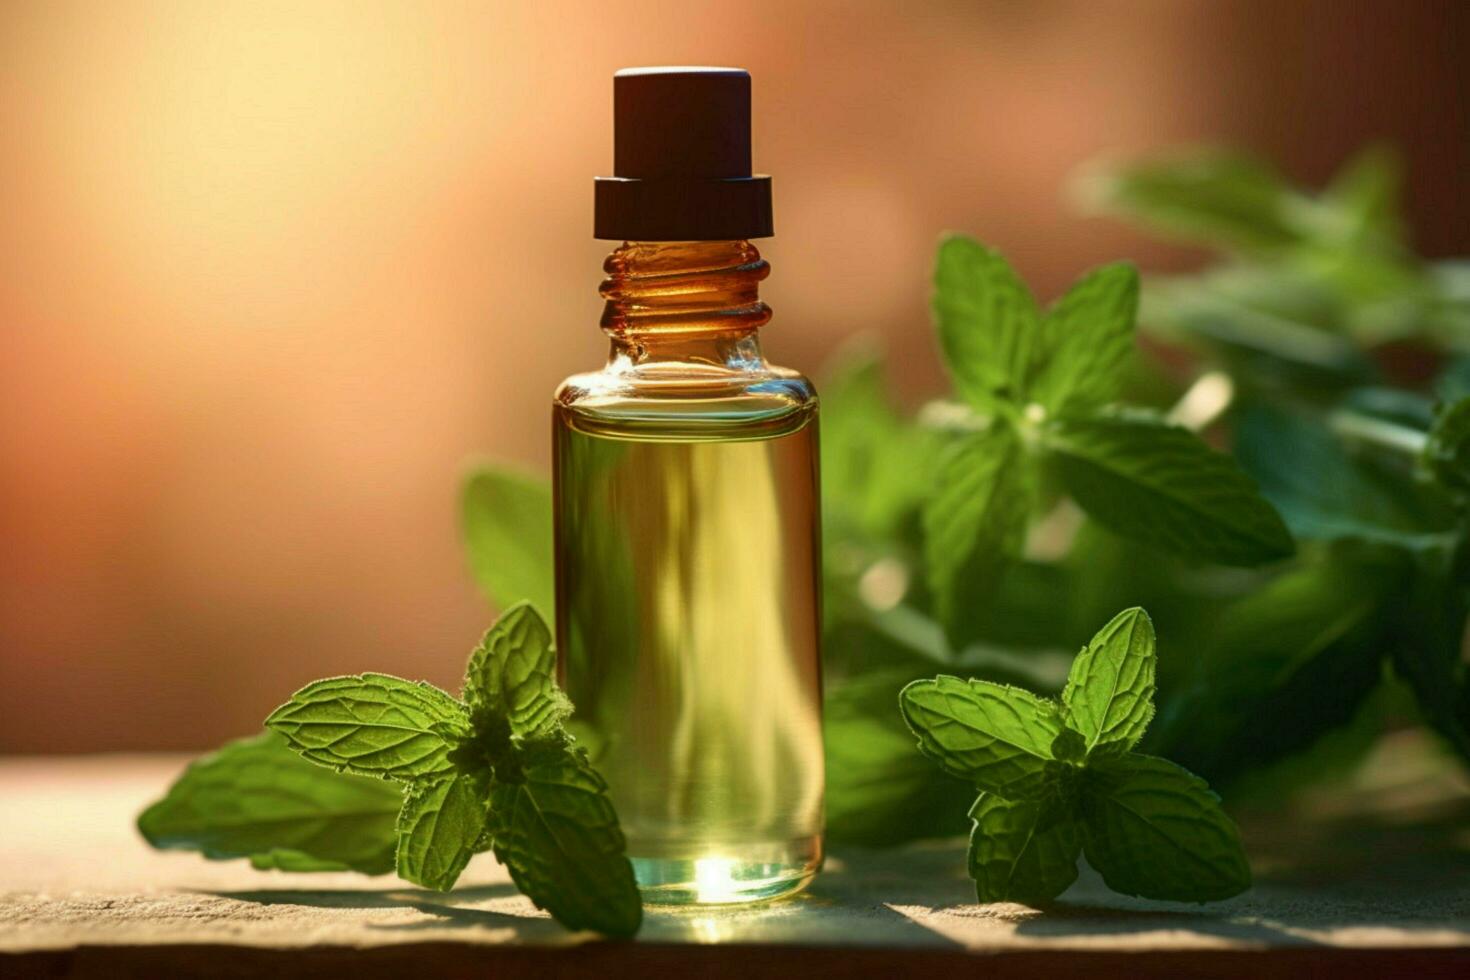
(1058, 779)
(1041, 386)
(493, 769)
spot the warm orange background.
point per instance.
(270, 272)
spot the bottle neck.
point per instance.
(685, 302)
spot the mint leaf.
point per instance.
(1276, 321)
(1108, 699)
(975, 521)
(506, 516)
(1022, 851)
(1325, 492)
(512, 675)
(1213, 197)
(556, 832)
(1155, 830)
(1162, 486)
(987, 321)
(256, 799)
(1087, 340)
(439, 828)
(373, 724)
(1286, 663)
(994, 737)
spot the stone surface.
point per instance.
(81, 894)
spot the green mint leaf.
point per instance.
(1162, 486)
(1327, 493)
(373, 725)
(975, 522)
(996, 738)
(987, 322)
(1263, 320)
(1087, 340)
(1213, 197)
(506, 516)
(1022, 850)
(440, 827)
(1286, 663)
(1109, 695)
(1154, 829)
(1447, 452)
(256, 799)
(557, 833)
(512, 675)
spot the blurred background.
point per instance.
(270, 273)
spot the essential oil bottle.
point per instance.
(687, 515)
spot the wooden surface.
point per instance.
(82, 895)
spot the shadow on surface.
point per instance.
(449, 910)
(1067, 919)
(927, 873)
(1364, 852)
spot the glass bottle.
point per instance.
(688, 565)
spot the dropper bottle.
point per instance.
(687, 515)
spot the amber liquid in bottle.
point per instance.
(687, 555)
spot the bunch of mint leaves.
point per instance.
(1310, 287)
(423, 782)
(1349, 360)
(948, 504)
(1334, 363)
(1043, 389)
(1058, 778)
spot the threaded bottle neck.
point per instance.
(676, 292)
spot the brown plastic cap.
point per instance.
(681, 159)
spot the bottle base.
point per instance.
(721, 878)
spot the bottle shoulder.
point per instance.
(688, 401)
